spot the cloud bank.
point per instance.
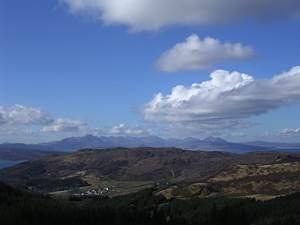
(155, 14)
(21, 115)
(19, 119)
(196, 53)
(16, 116)
(65, 125)
(225, 99)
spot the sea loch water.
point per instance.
(8, 163)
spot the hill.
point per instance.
(260, 181)
(131, 168)
(140, 164)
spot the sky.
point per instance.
(194, 68)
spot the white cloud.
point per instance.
(195, 53)
(23, 120)
(154, 14)
(18, 118)
(225, 99)
(125, 130)
(22, 115)
(65, 125)
(290, 132)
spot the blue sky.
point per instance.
(102, 73)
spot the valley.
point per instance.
(150, 186)
(175, 173)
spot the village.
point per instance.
(92, 193)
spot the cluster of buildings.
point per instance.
(92, 193)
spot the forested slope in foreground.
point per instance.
(145, 208)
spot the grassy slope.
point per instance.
(130, 170)
(262, 181)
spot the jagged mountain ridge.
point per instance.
(11, 151)
(90, 141)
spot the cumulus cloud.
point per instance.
(125, 130)
(290, 132)
(19, 118)
(154, 14)
(225, 99)
(196, 53)
(22, 115)
(65, 125)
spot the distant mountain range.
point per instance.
(89, 141)
(29, 151)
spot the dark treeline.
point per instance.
(144, 208)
